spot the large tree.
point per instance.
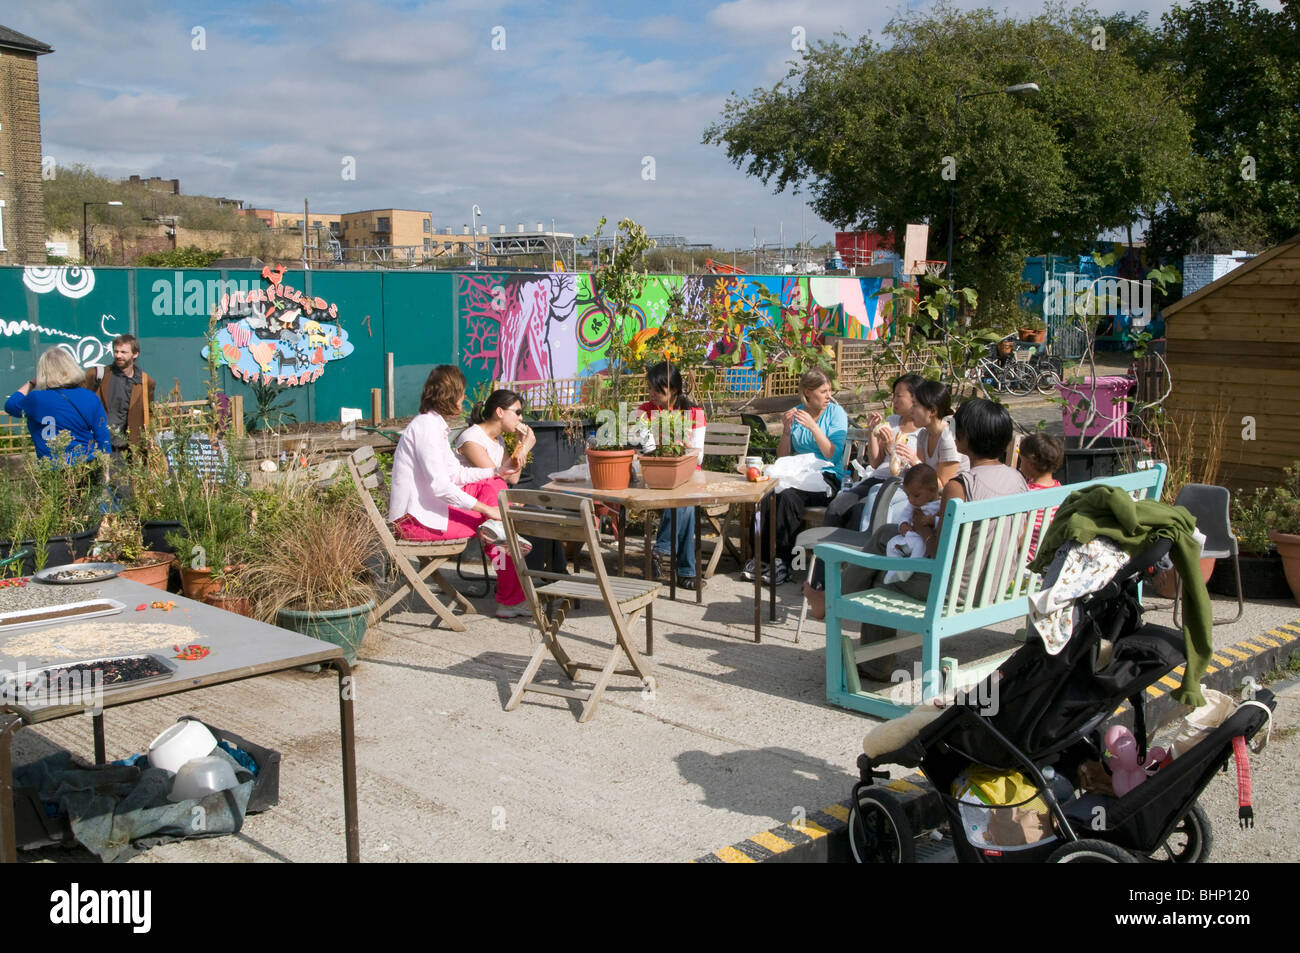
(867, 128)
(1237, 68)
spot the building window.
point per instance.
(428, 225)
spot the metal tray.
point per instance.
(111, 607)
(8, 683)
(46, 574)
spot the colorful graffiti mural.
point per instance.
(274, 335)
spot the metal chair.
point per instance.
(1211, 507)
(845, 537)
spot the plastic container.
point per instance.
(202, 776)
(182, 742)
(1105, 393)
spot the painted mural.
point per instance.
(71, 283)
(277, 334)
(533, 327)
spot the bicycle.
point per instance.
(1017, 378)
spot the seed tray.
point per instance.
(48, 615)
(118, 671)
(77, 574)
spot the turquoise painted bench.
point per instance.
(998, 593)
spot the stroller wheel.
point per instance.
(879, 831)
(1091, 852)
(1189, 842)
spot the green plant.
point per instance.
(1251, 522)
(270, 412)
(311, 552)
(58, 498)
(191, 256)
(1281, 503)
(668, 429)
(618, 279)
(120, 539)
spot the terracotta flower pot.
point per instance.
(667, 473)
(1032, 336)
(1288, 547)
(610, 469)
(240, 605)
(197, 583)
(151, 569)
(1165, 583)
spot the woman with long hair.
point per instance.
(817, 425)
(55, 402)
(936, 444)
(435, 497)
(667, 393)
(482, 444)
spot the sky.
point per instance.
(533, 111)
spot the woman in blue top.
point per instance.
(820, 426)
(56, 402)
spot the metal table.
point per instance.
(705, 488)
(241, 649)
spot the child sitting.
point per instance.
(921, 484)
(1040, 456)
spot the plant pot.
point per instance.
(240, 605)
(1165, 583)
(152, 569)
(342, 627)
(155, 535)
(1034, 337)
(1288, 547)
(1108, 456)
(610, 469)
(1262, 577)
(667, 473)
(197, 583)
(59, 550)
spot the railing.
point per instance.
(15, 437)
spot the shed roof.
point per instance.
(14, 40)
(1237, 273)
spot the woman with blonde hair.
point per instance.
(56, 402)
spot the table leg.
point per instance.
(758, 575)
(97, 727)
(771, 551)
(699, 568)
(9, 724)
(672, 554)
(347, 736)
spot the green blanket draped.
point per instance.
(1133, 525)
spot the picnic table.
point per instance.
(241, 648)
(705, 488)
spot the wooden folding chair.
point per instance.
(367, 476)
(563, 516)
(723, 440)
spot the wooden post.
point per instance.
(237, 416)
(388, 385)
(837, 361)
(376, 406)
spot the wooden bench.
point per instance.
(994, 596)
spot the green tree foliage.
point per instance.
(190, 256)
(1236, 65)
(866, 130)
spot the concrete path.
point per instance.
(734, 739)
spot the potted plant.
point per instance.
(1262, 574)
(671, 462)
(54, 507)
(121, 540)
(610, 451)
(1283, 515)
(230, 592)
(1032, 328)
(307, 565)
(214, 527)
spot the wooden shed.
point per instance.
(1234, 347)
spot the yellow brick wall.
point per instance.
(20, 160)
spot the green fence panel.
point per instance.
(420, 331)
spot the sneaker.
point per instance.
(748, 572)
(663, 565)
(782, 572)
(493, 532)
(513, 612)
(688, 582)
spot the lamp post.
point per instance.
(475, 212)
(1016, 90)
(85, 232)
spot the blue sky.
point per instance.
(556, 125)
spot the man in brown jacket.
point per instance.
(125, 391)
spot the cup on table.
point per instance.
(753, 462)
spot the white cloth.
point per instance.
(427, 475)
(496, 449)
(908, 545)
(802, 471)
(1076, 571)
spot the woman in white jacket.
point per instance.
(436, 498)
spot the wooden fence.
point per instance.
(201, 414)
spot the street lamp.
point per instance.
(475, 212)
(1016, 90)
(85, 234)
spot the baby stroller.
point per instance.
(1046, 724)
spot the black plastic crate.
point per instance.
(266, 784)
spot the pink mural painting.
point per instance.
(516, 324)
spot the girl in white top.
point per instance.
(482, 445)
(936, 444)
(434, 497)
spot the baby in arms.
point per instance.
(921, 484)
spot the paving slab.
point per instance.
(734, 738)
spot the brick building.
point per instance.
(391, 227)
(22, 208)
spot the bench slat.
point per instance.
(955, 567)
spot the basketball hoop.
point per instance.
(933, 268)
